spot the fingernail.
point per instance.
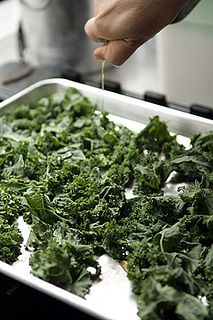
(104, 41)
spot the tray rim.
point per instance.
(171, 116)
(51, 290)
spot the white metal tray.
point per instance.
(111, 298)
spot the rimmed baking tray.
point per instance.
(111, 298)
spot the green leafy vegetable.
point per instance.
(66, 168)
(10, 242)
(65, 264)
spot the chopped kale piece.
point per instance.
(64, 264)
(154, 136)
(10, 242)
(151, 174)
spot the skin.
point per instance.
(127, 24)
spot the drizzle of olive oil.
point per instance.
(124, 265)
(102, 84)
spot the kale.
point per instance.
(144, 255)
(10, 205)
(159, 301)
(197, 199)
(39, 204)
(115, 240)
(119, 174)
(204, 141)
(193, 165)
(10, 242)
(66, 169)
(172, 149)
(197, 162)
(151, 174)
(154, 136)
(65, 265)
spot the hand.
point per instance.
(127, 24)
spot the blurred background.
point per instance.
(41, 39)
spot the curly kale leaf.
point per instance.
(141, 219)
(197, 199)
(41, 233)
(11, 201)
(192, 166)
(95, 199)
(165, 280)
(115, 240)
(143, 255)
(119, 174)
(154, 136)
(40, 205)
(197, 162)
(203, 141)
(151, 174)
(7, 132)
(10, 242)
(208, 264)
(159, 301)
(65, 265)
(171, 150)
(52, 109)
(16, 169)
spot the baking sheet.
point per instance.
(111, 298)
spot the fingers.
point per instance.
(98, 28)
(116, 52)
(106, 25)
(90, 30)
(109, 24)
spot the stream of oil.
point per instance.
(102, 84)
